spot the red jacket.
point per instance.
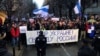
(87, 27)
(14, 32)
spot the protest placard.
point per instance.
(23, 29)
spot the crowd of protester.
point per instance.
(63, 24)
(13, 34)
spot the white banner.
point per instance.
(54, 36)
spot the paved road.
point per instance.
(52, 50)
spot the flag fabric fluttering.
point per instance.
(43, 11)
(77, 8)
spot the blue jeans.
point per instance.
(15, 41)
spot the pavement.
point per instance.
(70, 49)
(17, 52)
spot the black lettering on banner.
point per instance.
(65, 38)
(59, 38)
(45, 33)
(53, 33)
(67, 32)
(31, 40)
(49, 39)
(37, 32)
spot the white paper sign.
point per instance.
(23, 29)
(89, 30)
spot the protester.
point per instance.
(97, 27)
(82, 31)
(85, 50)
(91, 30)
(40, 44)
(8, 35)
(3, 49)
(37, 25)
(96, 43)
(2, 30)
(15, 34)
(23, 35)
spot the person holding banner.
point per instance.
(40, 44)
